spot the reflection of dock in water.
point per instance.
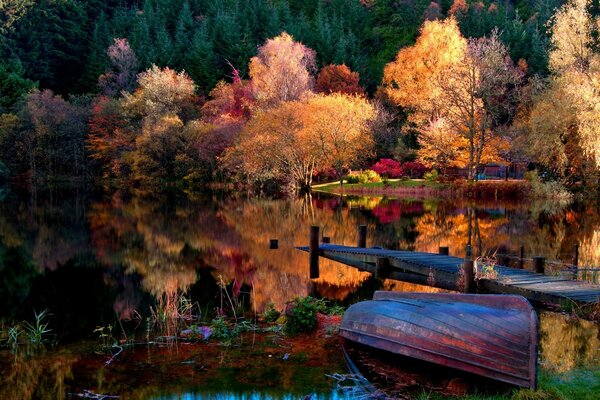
(454, 273)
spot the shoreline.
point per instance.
(490, 189)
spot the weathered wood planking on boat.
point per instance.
(495, 336)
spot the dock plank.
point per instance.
(417, 266)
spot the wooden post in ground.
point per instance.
(326, 239)
(539, 264)
(382, 267)
(313, 256)
(362, 236)
(273, 244)
(521, 256)
(443, 250)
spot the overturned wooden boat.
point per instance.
(490, 335)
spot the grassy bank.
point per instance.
(392, 186)
(489, 189)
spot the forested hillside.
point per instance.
(158, 93)
(61, 44)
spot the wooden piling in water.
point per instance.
(539, 264)
(521, 257)
(444, 250)
(313, 252)
(382, 268)
(576, 254)
(326, 239)
(469, 276)
(362, 236)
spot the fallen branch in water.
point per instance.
(112, 358)
(88, 394)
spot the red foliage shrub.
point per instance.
(388, 168)
(339, 79)
(413, 169)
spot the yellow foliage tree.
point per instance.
(291, 141)
(441, 147)
(281, 71)
(575, 63)
(467, 83)
(412, 80)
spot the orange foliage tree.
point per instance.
(441, 147)
(338, 79)
(109, 139)
(291, 141)
(471, 84)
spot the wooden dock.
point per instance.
(444, 271)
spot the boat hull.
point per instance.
(490, 335)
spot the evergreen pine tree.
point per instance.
(183, 36)
(97, 60)
(200, 60)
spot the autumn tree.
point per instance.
(282, 71)
(109, 139)
(575, 62)
(471, 84)
(561, 118)
(52, 140)
(289, 142)
(162, 105)
(413, 79)
(441, 147)
(124, 68)
(433, 12)
(338, 79)
(230, 102)
(343, 126)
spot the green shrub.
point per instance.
(431, 176)
(221, 329)
(547, 190)
(270, 314)
(352, 178)
(301, 316)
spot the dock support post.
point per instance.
(314, 252)
(521, 256)
(443, 250)
(538, 264)
(382, 268)
(468, 271)
(469, 276)
(273, 244)
(326, 239)
(362, 236)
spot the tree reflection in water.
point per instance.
(86, 260)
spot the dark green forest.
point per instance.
(61, 44)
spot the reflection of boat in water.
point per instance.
(489, 335)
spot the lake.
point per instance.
(105, 260)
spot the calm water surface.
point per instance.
(97, 260)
